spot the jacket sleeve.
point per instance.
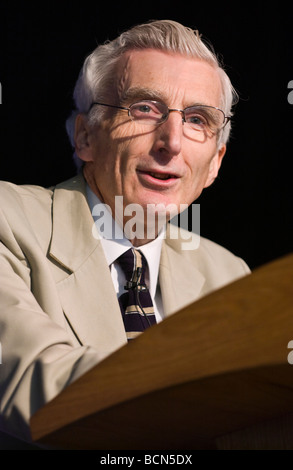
(39, 357)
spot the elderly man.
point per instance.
(150, 128)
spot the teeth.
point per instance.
(160, 176)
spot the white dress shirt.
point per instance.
(115, 244)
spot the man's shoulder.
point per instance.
(220, 258)
(11, 193)
(26, 211)
(31, 205)
(206, 254)
(210, 249)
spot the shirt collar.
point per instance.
(114, 242)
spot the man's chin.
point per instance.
(146, 218)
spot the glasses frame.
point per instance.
(182, 111)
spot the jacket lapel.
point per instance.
(95, 318)
(181, 282)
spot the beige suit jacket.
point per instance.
(59, 314)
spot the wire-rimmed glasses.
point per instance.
(199, 117)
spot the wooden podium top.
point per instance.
(217, 367)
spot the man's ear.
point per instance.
(82, 138)
(215, 165)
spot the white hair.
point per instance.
(98, 74)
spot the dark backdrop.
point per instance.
(249, 207)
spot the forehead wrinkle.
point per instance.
(134, 85)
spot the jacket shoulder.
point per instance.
(207, 255)
(13, 194)
(33, 196)
(214, 253)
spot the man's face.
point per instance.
(129, 159)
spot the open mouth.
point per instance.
(161, 176)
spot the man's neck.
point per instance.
(139, 228)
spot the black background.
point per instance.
(43, 45)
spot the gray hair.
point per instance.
(97, 75)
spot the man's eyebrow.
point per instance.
(141, 93)
(134, 94)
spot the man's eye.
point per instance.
(143, 108)
(196, 120)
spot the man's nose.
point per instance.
(169, 135)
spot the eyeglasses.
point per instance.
(198, 118)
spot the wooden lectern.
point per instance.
(216, 375)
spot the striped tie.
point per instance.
(135, 304)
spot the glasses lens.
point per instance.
(204, 118)
(148, 112)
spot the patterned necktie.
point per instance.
(135, 304)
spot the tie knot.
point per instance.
(133, 264)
